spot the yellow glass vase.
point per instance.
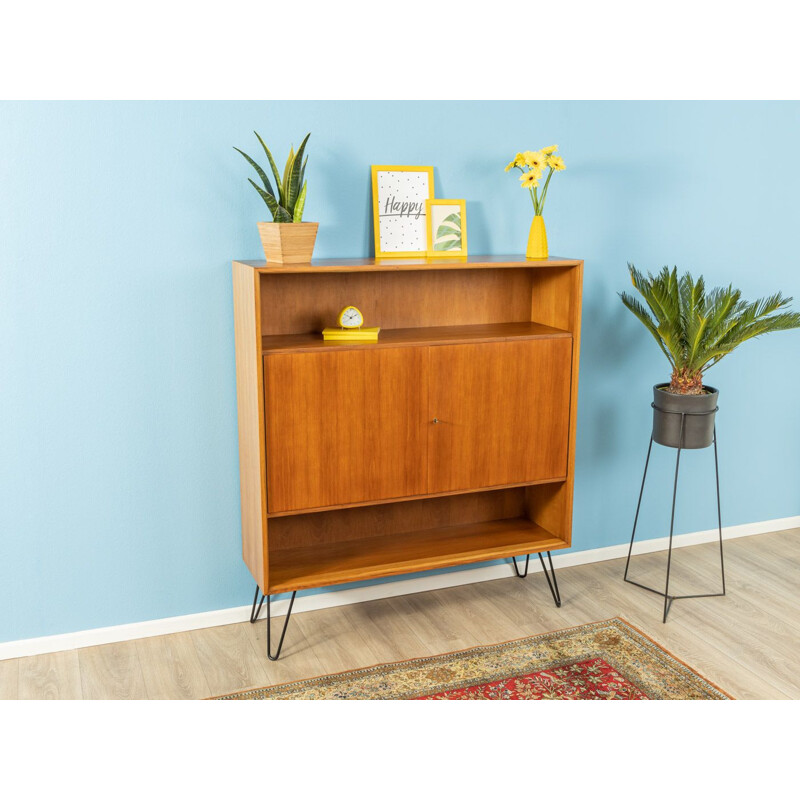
(537, 239)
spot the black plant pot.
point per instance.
(698, 412)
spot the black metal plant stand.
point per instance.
(552, 584)
(668, 598)
(254, 612)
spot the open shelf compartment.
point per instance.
(354, 544)
(379, 556)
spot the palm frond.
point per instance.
(693, 315)
(696, 329)
(641, 313)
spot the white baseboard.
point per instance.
(359, 594)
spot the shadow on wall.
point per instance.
(345, 227)
(610, 349)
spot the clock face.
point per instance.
(351, 318)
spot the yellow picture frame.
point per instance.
(382, 194)
(430, 214)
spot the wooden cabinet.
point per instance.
(449, 441)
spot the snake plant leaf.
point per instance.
(267, 197)
(287, 170)
(294, 177)
(302, 180)
(271, 162)
(261, 173)
(282, 215)
(300, 205)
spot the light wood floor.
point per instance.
(748, 642)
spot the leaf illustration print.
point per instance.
(448, 234)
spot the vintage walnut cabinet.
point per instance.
(451, 440)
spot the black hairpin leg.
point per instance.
(516, 568)
(254, 612)
(668, 598)
(553, 584)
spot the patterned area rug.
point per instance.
(608, 660)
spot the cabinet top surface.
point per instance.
(410, 264)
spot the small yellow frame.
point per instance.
(431, 253)
(376, 220)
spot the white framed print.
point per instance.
(446, 228)
(399, 197)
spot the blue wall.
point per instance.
(118, 221)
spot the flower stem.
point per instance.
(544, 191)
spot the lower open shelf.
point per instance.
(379, 556)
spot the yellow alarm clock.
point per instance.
(350, 330)
(350, 317)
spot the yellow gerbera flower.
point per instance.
(529, 179)
(550, 150)
(519, 161)
(556, 163)
(534, 159)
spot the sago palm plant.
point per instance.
(696, 329)
(287, 203)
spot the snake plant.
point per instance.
(696, 329)
(287, 203)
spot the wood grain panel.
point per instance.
(273, 515)
(300, 303)
(334, 639)
(551, 506)
(553, 297)
(111, 672)
(342, 265)
(345, 426)
(298, 659)
(171, 668)
(250, 403)
(229, 659)
(557, 301)
(389, 634)
(502, 411)
(9, 679)
(52, 676)
(360, 559)
(416, 337)
(393, 518)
